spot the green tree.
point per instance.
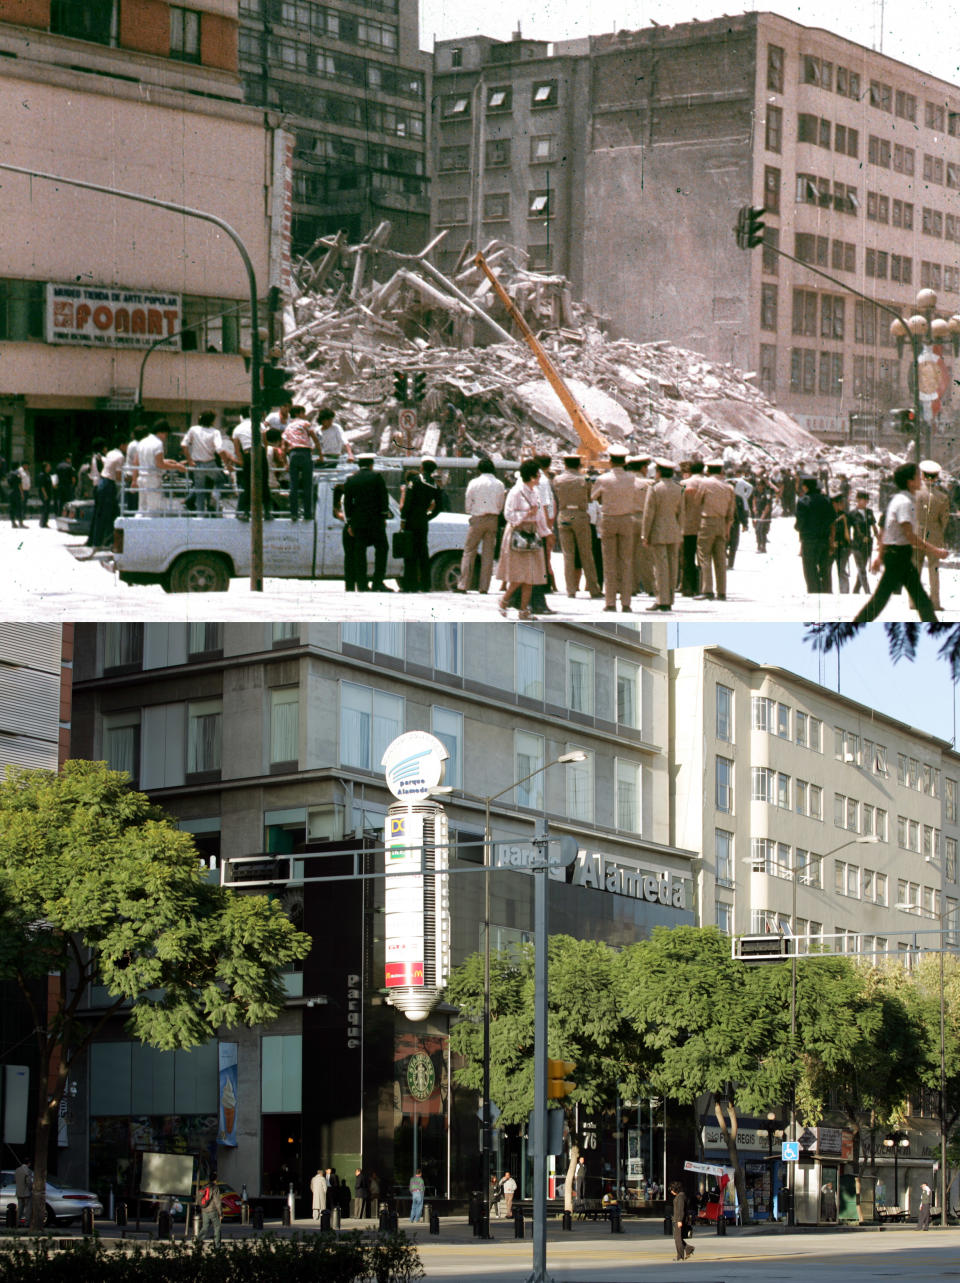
(98, 886)
(584, 1024)
(713, 1025)
(902, 640)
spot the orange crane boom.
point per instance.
(593, 443)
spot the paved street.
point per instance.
(40, 579)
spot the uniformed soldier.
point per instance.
(642, 561)
(933, 513)
(689, 570)
(573, 526)
(663, 531)
(618, 497)
(718, 507)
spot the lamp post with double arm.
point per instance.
(575, 755)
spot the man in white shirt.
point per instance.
(202, 445)
(483, 504)
(151, 462)
(106, 501)
(131, 498)
(332, 441)
(242, 446)
(895, 550)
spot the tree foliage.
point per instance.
(902, 640)
(98, 886)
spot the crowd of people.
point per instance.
(624, 532)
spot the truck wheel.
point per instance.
(200, 572)
(445, 571)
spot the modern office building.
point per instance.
(144, 97)
(351, 84)
(266, 743)
(36, 669)
(507, 148)
(820, 816)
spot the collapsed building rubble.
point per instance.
(363, 312)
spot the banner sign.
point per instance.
(227, 1131)
(100, 316)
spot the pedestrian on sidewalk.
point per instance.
(417, 1189)
(923, 1211)
(318, 1192)
(897, 541)
(509, 1186)
(684, 1250)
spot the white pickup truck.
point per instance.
(187, 553)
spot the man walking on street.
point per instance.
(814, 523)
(679, 1217)
(617, 493)
(663, 532)
(366, 507)
(483, 504)
(417, 1189)
(573, 527)
(718, 509)
(211, 1210)
(509, 1186)
(897, 540)
(933, 513)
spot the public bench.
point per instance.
(892, 1213)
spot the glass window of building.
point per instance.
(528, 758)
(725, 917)
(184, 34)
(628, 693)
(387, 638)
(579, 785)
(628, 802)
(950, 800)
(723, 795)
(369, 720)
(723, 850)
(285, 724)
(285, 630)
(204, 731)
(950, 859)
(724, 713)
(580, 678)
(204, 639)
(122, 646)
(448, 728)
(447, 647)
(529, 661)
(121, 743)
(281, 1077)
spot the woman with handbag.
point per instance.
(522, 562)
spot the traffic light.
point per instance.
(400, 386)
(419, 385)
(558, 1084)
(749, 229)
(275, 391)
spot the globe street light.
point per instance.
(924, 331)
(896, 1141)
(575, 755)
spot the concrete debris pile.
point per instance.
(363, 313)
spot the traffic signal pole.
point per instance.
(749, 234)
(256, 509)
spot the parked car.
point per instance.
(76, 518)
(64, 1203)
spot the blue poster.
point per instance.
(227, 1131)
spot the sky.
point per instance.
(919, 693)
(921, 35)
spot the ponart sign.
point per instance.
(101, 316)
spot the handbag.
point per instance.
(399, 545)
(525, 541)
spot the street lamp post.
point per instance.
(924, 330)
(896, 1141)
(869, 839)
(576, 755)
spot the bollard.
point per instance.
(615, 1226)
(258, 1217)
(335, 1218)
(434, 1222)
(518, 1222)
(120, 1215)
(475, 1210)
(668, 1226)
(325, 1221)
(394, 1222)
(10, 1216)
(567, 1222)
(244, 1206)
(721, 1223)
(164, 1224)
(285, 1218)
(384, 1220)
(86, 1221)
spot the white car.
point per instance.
(64, 1203)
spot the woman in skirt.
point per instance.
(521, 567)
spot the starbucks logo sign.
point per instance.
(421, 1076)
